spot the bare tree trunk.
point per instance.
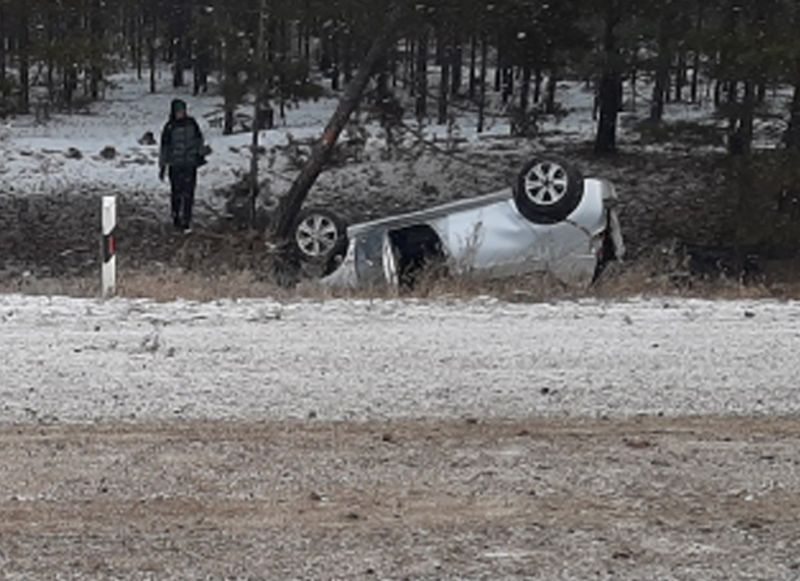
(139, 40)
(151, 51)
(177, 66)
(695, 83)
(498, 71)
(290, 205)
(508, 83)
(792, 136)
(552, 86)
(748, 115)
(179, 26)
(335, 72)
(696, 56)
(393, 66)
(482, 83)
(409, 68)
(24, 59)
(422, 74)
(657, 101)
(50, 61)
(257, 100)
(525, 93)
(740, 136)
(660, 86)
(762, 92)
(606, 140)
(307, 33)
(473, 58)
(96, 32)
(347, 60)
(3, 17)
(444, 84)
(457, 63)
(680, 76)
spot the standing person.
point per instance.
(182, 152)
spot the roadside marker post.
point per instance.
(109, 246)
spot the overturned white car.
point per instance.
(552, 221)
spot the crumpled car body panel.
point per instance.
(487, 237)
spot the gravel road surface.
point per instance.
(667, 499)
(81, 360)
(400, 440)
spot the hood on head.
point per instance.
(177, 105)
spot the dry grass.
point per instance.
(158, 286)
(639, 279)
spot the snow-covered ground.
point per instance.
(63, 154)
(82, 360)
(33, 157)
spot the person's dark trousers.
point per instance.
(183, 181)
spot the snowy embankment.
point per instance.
(63, 153)
(83, 360)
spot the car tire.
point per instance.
(547, 191)
(319, 237)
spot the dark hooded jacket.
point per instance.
(181, 141)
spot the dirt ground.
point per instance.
(647, 498)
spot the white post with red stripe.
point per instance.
(109, 273)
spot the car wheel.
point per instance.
(319, 236)
(548, 190)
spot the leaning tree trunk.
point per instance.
(291, 204)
